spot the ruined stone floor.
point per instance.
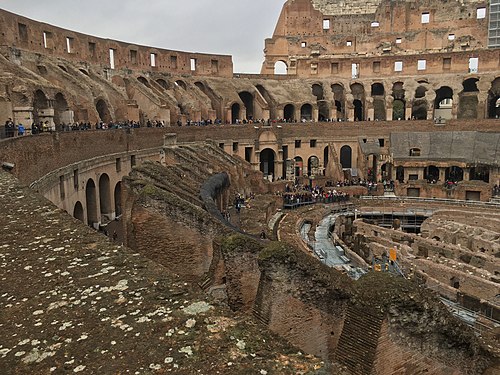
(71, 301)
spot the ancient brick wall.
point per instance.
(301, 299)
(25, 34)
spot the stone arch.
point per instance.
(289, 112)
(118, 198)
(105, 197)
(346, 157)
(420, 105)
(235, 113)
(163, 83)
(267, 160)
(378, 95)
(468, 100)
(443, 103)
(78, 212)
(454, 174)
(431, 173)
(85, 72)
(358, 93)
(280, 68)
(339, 99)
(144, 81)
(91, 203)
(60, 106)
(306, 112)
(378, 89)
(480, 173)
(399, 102)
(386, 171)
(494, 99)
(299, 166)
(103, 110)
(312, 165)
(248, 102)
(40, 102)
(323, 108)
(180, 83)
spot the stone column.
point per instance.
(442, 174)
(466, 174)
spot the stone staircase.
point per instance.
(359, 339)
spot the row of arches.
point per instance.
(453, 173)
(104, 208)
(268, 161)
(62, 111)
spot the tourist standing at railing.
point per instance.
(9, 128)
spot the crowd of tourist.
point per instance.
(496, 191)
(303, 194)
(371, 185)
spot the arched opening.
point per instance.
(454, 174)
(431, 174)
(180, 83)
(323, 108)
(419, 109)
(163, 84)
(470, 85)
(494, 99)
(40, 102)
(235, 113)
(247, 100)
(398, 110)
(105, 197)
(326, 155)
(306, 112)
(339, 96)
(280, 68)
(358, 93)
(144, 81)
(378, 89)
(398, 91)
(289, 113)
(400, 174)
(83, 71)
(480, 173)
(118, 198)
(312, 166)
(358, 110)
(420, 106)
(386, 171)
(468, 100)
(60, 106)
(455, 282)
(378, 95)
(346, 157)
(91, 203)
(78, 211)
(267, 157)
(443, 103)
(299, 165)
(103, 111)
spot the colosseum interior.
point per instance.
(338, 213)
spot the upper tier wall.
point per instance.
(26, 34)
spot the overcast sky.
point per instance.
(232, 27)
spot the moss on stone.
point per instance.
(275, 251)
(239, 243)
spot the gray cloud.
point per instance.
(235, 27)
